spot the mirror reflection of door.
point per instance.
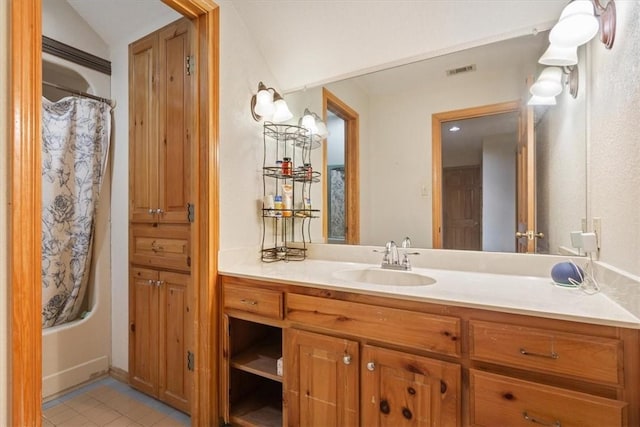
(336, 220)
(340, 183)
(478, 171)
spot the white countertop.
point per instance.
(510, 293)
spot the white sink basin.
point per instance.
(379, 276)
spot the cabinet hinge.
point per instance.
(190, 360)
(190, 64)
(191, 215)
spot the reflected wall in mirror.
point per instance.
(395, 109)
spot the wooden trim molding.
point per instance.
(76, 56)
(331, 102)
(25, 291)
(25, 371)
(436, 154)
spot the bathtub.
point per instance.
(80, 351)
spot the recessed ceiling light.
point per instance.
(454, 129)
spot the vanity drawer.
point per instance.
(581, 356)
(503, 401)
(265, 302)
(161, 246)
(422, 331)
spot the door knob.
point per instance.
(530, 235)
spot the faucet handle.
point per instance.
(405, 259)
(406, 243)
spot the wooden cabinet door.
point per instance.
(143, 130)
(321, 380)
(143, 330)
(175, 341)
(175, 125)
(400, 389)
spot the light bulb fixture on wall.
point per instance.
(314, 124)
(580, 21)
(552, 80)
(268, 104)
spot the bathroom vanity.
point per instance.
(371, 355)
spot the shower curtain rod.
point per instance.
(79, 93)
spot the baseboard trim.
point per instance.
(119, 374)
(69, 379)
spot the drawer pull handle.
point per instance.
(555, 423)
(552, 355)
(249, 301)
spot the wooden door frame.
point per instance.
(352, 166)
(24, 253)
(436, 153)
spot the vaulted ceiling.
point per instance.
(306, 42)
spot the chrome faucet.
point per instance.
(391, 258)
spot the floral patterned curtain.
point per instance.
(75, 136)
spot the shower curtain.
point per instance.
(75, 136)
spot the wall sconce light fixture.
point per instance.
(268, 104)
(542, 100)
(551, 82)
(580, 21)
(314, 124)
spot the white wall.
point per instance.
(241, 68)
(561, 158)
(4, 172)
(62, 23)
(614, 150)
(499, 193)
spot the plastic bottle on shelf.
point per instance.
(277, 205)
(286, 166)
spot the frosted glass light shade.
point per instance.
(542, 100)
(264, 103)
(577, 25)
(549, 83)
(309, 123)
(323, 132)
(560, 56)
(282, 112)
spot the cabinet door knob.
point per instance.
(371, 366)
(346, 359)
(152, 211)
(151, 282)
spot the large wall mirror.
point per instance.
(396, 188)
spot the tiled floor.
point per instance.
(108, 402)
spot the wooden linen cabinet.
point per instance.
(161, 292)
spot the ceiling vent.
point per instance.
(459, 70)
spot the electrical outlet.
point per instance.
(597, 228)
